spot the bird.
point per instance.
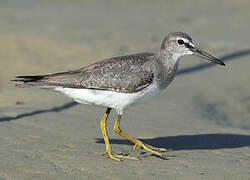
(120, 82)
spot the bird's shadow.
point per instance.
(192, 142)
(40, 111)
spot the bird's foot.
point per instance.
(153, 148)
(118, 157)
(149, 148)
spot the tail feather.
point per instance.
(31, 81)
(28, 78)
(46, 81)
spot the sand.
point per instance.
(203, 116)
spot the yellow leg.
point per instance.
(106, 140)
(137, 142)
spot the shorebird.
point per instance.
(119, 82)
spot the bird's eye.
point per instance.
(180, 42)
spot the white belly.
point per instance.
(118, 101)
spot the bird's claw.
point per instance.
(118, 157)
(149, 148)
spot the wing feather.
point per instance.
(121, 74)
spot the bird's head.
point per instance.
(179, 44)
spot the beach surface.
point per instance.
(203, 116)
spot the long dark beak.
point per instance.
(205, 55)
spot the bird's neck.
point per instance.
(168, 72)
(169, 60)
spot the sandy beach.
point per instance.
(203, 116)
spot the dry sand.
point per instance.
(204, 116)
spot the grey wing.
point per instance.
(121, 74)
